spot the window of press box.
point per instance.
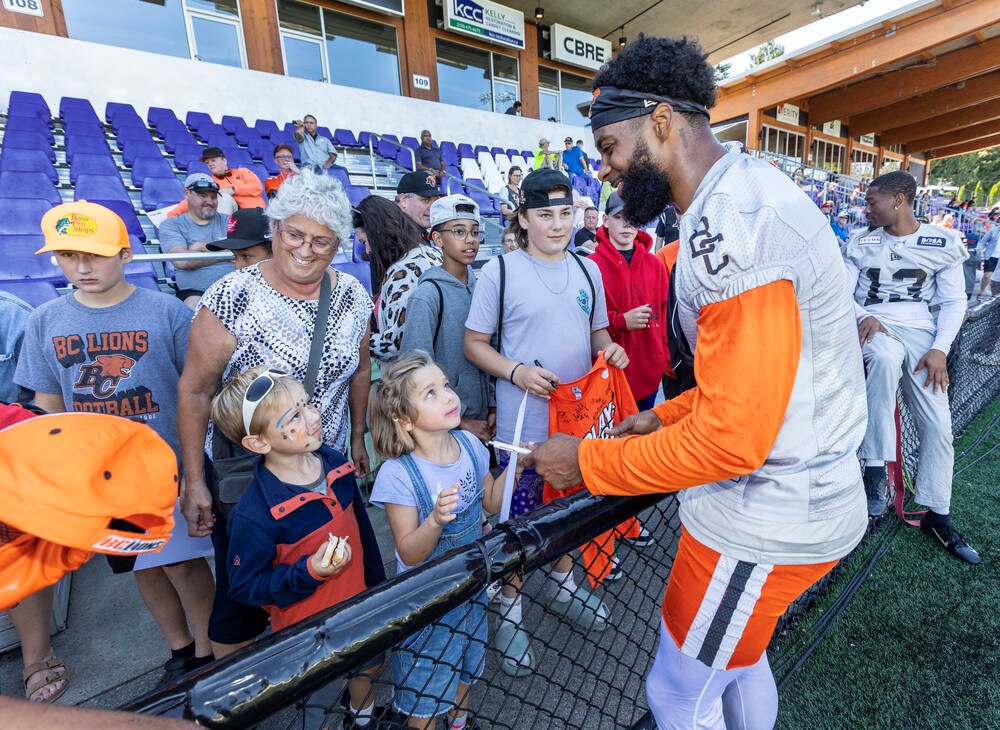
(476, 79)
(206, 30)
(563, 95)
(325, 45)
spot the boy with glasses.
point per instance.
(437, 310)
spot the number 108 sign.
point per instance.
(28, 7)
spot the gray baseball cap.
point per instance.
(453, 207)
(614, 204)
(199, 182)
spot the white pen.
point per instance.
(508, 447)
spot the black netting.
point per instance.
(583, 677)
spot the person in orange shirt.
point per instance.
(284, 158)
(237, 182)
(763, 449)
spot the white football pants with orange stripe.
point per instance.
(719, 613)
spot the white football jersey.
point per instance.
(902, 269)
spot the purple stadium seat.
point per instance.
(197, 166)
(28, 161)
(86, 145)
(265, 127)
(29, 100)
(27, 242)
(237, 157)
(245, 135)
(364, 138)
(261, 149)
(511, 152)
(260, 171)
(177, 137)
(22, 216)
(127, 214)
(497, 151)
(159, 115)
(473, 183)
(131, 133)
(453, 186)
(281, 138)
(412, 142)
(29, 141)
(527, 154)
(270, 165)
(32, 185)
(325, 132)
(213, 131)
(139, 148)
(387, 149)
(100, 187)
(171, 124)
(390, 138)
(484, 201)
(145, 167)
(197, 120)
(117, 111)
(146, 281)
(184, 154)
(449, 153)
(481, 148)
(465, 151)
(231, 124)
(452, 170)
(356, 193)
(159, 192)
(92, 164)
(345, 138)
(20, 263)
(29, 124)
(76, 106)
(340, 175)
(34, 293)
(360, 270)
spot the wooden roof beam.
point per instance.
(942, 124)
(977, 90)
(962, 148)
(928, 30)
(959, 136)
(889, 88)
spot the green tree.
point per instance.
(766, 52)
(968, 168)
(979, 195)
(722, 71)
(994, 194)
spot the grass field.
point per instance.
(919, 645)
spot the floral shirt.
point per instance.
(390, 311)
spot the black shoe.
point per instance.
(950, 539)
(876, 481)
(176, 667)
(645, 539)
(616, 572)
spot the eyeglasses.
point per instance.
(284, 157)
(297, 238)
(256, 392)
(465, 233)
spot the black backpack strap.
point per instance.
(593, 291)
(503, 285)
(437, 327)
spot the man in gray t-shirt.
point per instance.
(192, 231)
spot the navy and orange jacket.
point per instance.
(276, 527)
(627, 286)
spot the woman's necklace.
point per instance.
(550, 289)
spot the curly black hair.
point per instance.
(896, 182)
(674, 67)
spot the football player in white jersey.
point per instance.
(898, 269)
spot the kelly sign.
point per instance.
(486, 21)
(580, 49)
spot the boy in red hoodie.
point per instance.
(635, 287)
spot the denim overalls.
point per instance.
(429, 665)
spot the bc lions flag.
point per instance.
(588, 408)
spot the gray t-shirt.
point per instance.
(14, 315)
(315, 150)
(429, 157)
(182, 231)
(546, 318)
(122, 360)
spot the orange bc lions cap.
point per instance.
(63, 478)
(85, 227)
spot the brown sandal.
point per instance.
(49, 672)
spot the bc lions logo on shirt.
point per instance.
(583, 299)
(103, 375)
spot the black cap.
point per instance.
(211, 152)
(247, 227)
(536, 186)
(424, 184)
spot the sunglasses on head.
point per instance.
(257, 391)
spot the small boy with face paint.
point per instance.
(301, 493)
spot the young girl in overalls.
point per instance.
(433, 487)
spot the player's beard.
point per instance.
(645, 189)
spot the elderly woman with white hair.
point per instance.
(265, 314)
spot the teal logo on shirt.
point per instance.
(583, 299)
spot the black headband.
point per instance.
(611, 104)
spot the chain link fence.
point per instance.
(588, 673)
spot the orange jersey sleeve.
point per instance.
(746, 359)
(247, 188)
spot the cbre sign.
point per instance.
(486, 21)
(580, 49)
